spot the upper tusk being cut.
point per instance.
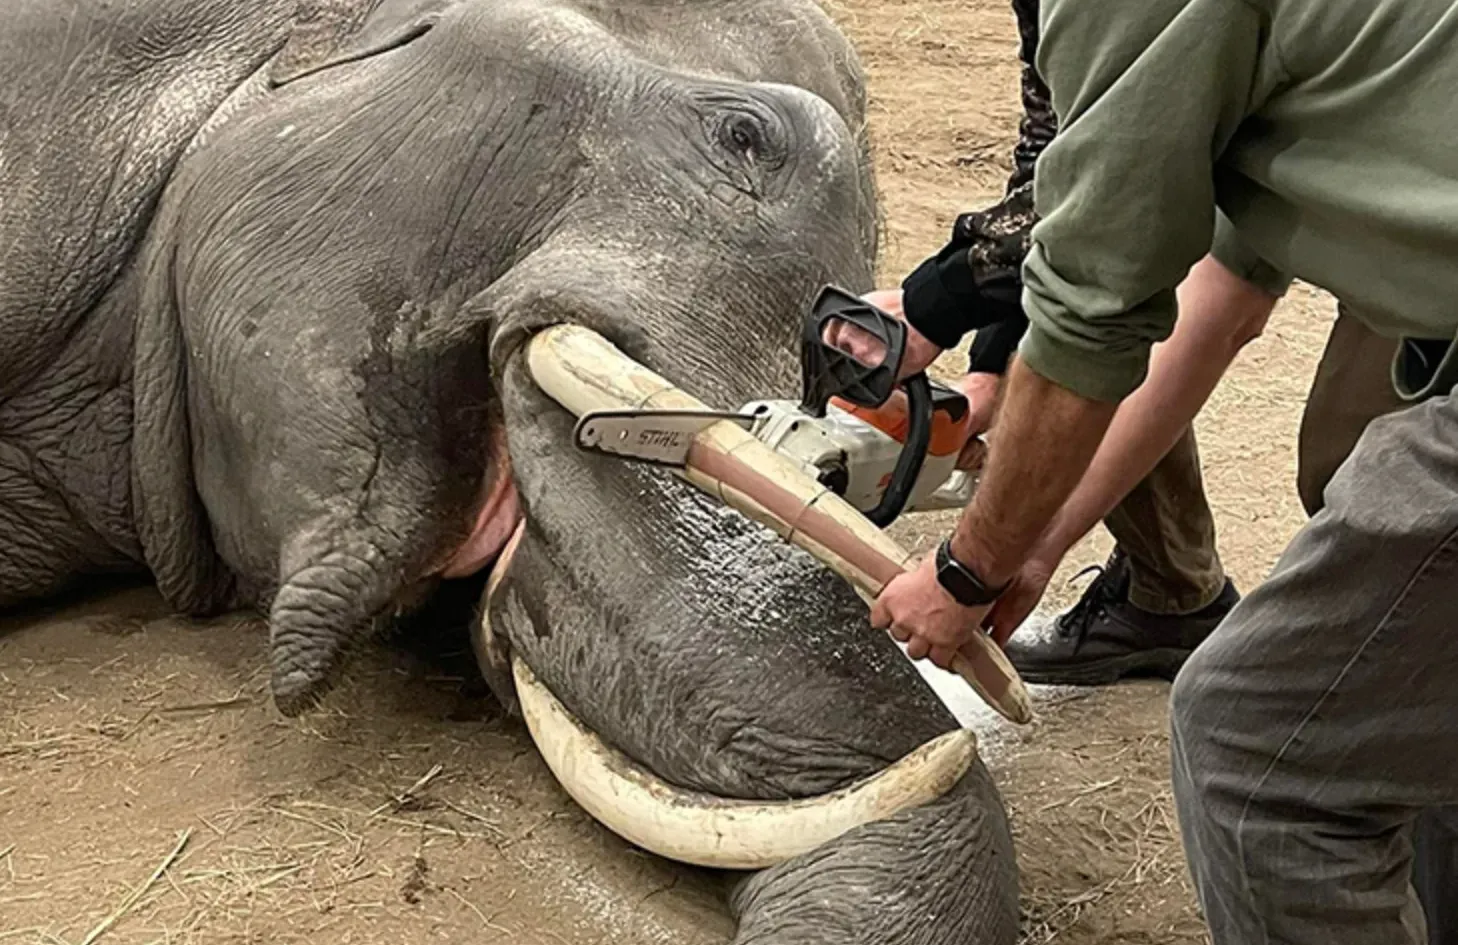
(705, 830)
(583, 372)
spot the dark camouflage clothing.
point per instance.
(975, 282)
(1038, 123)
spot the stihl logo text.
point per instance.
(661, 438)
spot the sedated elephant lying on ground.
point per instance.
(266, 277)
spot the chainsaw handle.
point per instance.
(913, 452)
(826, 371)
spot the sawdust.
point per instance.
(409, 809)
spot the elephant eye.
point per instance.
(753, 134)
(742, 134)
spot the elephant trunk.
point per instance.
(321, 610)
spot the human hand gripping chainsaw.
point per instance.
(867, 348)
(981, 388)
(826, 473)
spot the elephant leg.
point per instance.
(41, 548)
(940, 874)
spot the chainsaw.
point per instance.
(886, 447)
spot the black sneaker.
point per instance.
(1104, 638)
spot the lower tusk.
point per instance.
(721, 833)
(493, 653)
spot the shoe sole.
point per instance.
(1164, 664)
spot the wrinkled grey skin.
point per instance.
(265, 279)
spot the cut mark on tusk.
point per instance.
(723, 833)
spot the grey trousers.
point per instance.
(1321, 718)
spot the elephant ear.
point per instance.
(329, 33)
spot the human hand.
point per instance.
(869, 350)
(918, 611)
(1017, 602)
(981, 390)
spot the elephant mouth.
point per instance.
(498, 515)
(307, 665)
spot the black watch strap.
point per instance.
(959, 581)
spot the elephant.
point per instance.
(267, 276)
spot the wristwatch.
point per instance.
(959, 581)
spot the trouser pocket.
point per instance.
(1424, 367)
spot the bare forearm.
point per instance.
(1220, 314)
(1046, 436)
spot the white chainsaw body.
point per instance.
(853, 457)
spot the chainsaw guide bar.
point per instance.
(660, 437)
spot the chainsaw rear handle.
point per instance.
(913, 452)
(828, 372)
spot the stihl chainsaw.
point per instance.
(883, 446)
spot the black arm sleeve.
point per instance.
(974, 283)
(992, 348)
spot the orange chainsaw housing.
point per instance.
(951, 419)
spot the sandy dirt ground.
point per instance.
(150, 793)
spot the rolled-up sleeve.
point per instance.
(1147, 93)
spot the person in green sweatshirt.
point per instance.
(1261, 141)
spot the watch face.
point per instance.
(961, 583)
(953, 578)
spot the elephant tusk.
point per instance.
(693, 827)
(721, 833)
(583, 372)
(493, 653)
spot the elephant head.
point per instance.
(349, 267)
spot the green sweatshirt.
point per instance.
(1326, 132)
